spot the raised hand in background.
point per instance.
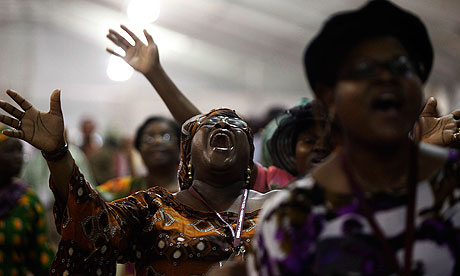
(435, 129)
(145, 59)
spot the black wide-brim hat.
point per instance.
(344, 30)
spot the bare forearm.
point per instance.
(61, 171)
(180, 106)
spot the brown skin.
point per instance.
(304, 148)
(160, 157)
(313, 145)
(376, 144)
(89, 146)
(45, 131)
(145, 59)
(219, 176)
(435, 129)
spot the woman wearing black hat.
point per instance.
(382, 204)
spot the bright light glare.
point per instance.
(143, 11)
(118, 69)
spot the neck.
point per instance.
(220, 198)
(164, 176)
(379, 167)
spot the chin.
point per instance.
(221, 166)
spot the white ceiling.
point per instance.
(244, 54)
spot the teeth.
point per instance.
(221, 141)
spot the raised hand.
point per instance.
(43, 130)
(143, 58)
(438, 130)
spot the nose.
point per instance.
(323, 145)
(384, 73)
(157, 139)
(222, 124)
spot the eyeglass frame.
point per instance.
(222, 118)
(375, 68)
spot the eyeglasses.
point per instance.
(231, 121)
(399, 66)
(150, 139)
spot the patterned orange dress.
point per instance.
(150, 228)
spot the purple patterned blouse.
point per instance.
(299, 234)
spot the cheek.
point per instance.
(302, 150)
(348, 101)
(415, 94)
(244, 149)
(199, 143)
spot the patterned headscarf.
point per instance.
(189, 129)
(3, 137)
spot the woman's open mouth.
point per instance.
(387, 102)
(221, 141)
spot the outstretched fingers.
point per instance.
(11, 110)
(113, 52)
(430, 109)
(148, 37)
(16, 133)
(118, 40)
(23, 103)
(131, 34)
(456, 114)
(55, 102)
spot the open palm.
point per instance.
(141, 57)
(43, 130)
(438, 130)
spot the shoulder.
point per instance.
(298, 199)
(435, 161)
(153, 193)
(116, 184)
(289, 224)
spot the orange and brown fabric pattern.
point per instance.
(150, 228)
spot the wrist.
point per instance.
(154, 72)
(56, 155)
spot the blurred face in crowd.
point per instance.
(378, 95)
(313, 145)
(11, 157)
(221, 146)
(87, 127)
(159, 145)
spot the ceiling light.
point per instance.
(143, 11)
(118, 69)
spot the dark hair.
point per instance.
(282, 144)
(140, 131)
(344, 30)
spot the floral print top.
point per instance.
(150, 228)
(24, 247)
(301, 234)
